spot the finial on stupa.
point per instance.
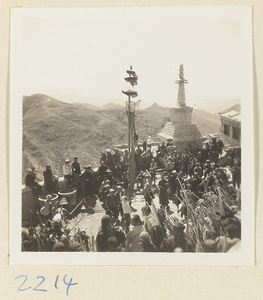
(181, 82)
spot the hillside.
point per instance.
(206, 122)
(157, 108)
(112, 106)
(83, 99)
(89, 106)
(54, 130)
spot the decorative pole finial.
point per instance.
(181, 74)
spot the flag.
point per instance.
(132, 172)
(132, 167)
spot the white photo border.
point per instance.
(243, 258)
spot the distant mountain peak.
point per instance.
(112, 106)
(154, 106)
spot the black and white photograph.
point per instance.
(131, 131)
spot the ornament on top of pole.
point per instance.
(132, 79)
(131, 93)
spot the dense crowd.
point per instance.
(206, 194)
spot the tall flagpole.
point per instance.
(131, 93)
(129, 147)
(129, 126)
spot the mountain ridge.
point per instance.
(54, 130)
(211, 107)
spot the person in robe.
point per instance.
(147, 191)
(30, 182)
(88, 181)
(153, 167)
(112, 204)
(236, 173)
(126, 208)
(132, 243)
(120, 192)
(75, 170)
(146, 242)
(67, 172)
(149, 142)
(102, 171)
(163, 194)
(50, 180)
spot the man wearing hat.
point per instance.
(110, 162)
(102, 171)
(132, 242)
(88, 181)
(58, 247)
(112, 204)
(173, 184)
(117, 156)
(172, 180)
(149, 142)
(75, 170)
(49, 180)
(138, 158)
(119, 193)
(105, 231)
(178, 162)
(67, 172)
(176, 239)
(75, 247)
(163, 194)
(30, 181)
(75, 166)
(147, 192)
(198, 169)
(195, 181)
(224, 243)
(126, 208)
(140, 181)
(105, 185)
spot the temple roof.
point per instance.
(233, 113)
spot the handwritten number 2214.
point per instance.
(42, 279)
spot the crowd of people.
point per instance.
(206, 196)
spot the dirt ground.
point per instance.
(90, 223)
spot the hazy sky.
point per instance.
(87, 51)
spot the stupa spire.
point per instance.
(181, 91)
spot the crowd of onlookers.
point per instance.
(161, 170)
(142, 237)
